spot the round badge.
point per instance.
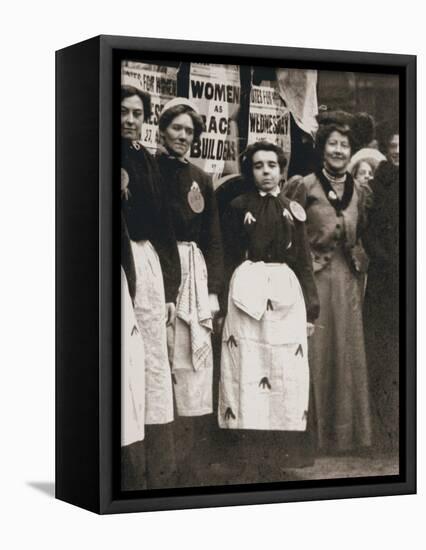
(195, 198)
(124, 179)
(298, 211)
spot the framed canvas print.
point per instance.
(235, 274)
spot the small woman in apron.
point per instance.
(154, 289)
(272, 304)
(196, 225)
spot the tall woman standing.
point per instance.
(151, 263)
(336, 217)
(196, 224)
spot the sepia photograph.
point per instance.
(260, 261)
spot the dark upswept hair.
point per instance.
(129, 91)
(166, 118)
(333, 121)
(363, 128)
(385, 131)
(247, 158)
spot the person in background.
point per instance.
(365, 143)
(362, 172)
(336, 208)
(272, 305)
(381, 312)
(157, 279)
(192, 203)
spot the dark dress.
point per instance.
(193, 429)
(381, 311)
(268, 241)
(275, 242)
(202, 228)
(149, 463)
(145, 210)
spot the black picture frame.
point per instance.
(87, 300)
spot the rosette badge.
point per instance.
(249, 218)
(332, 196)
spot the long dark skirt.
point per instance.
(150, 464)
(381, 315)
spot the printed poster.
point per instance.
(161, 83)
(269, 119)
(215, 90)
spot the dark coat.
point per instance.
(145, 210)
(382, 235)
(202, 228)
(381, 307)
(272, 238)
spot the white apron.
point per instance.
(264, 382)
(190, 346)
(132, 372)
(151, 317)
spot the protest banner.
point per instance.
(215, 90)
(269, 119)
(161, 83)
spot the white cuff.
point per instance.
(214, 303)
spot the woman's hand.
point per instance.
(218, 324)
(310, 328)
(170, 314)
(214, 305)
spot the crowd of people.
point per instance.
(261, 332)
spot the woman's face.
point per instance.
(131, 117)
(337, 152)
(364, 174)
(393, 150)
(179, 135)
(266, 170)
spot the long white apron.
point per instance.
(264, 382)
(190, 338)
(132, 372)
(151, 317)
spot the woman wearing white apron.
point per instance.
(196, 224)
(272, 303)
(157, 269)
(132, 395)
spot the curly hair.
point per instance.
(324, 132)
(167, 117)
(363, 128)
(130, 91)
(385, 131)
(247, 158)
